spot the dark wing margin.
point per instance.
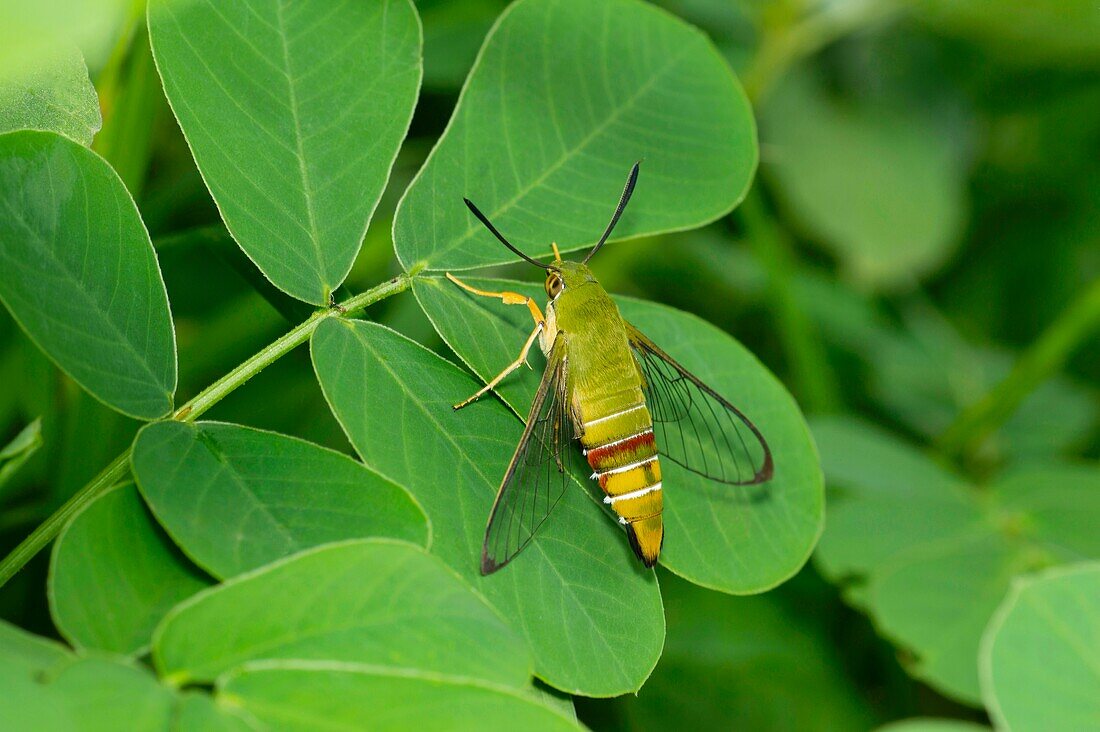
(695, 426)
(536, 478)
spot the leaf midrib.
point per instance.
(303, 172)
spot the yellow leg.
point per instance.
(508, 369)
(508, 298)
(557, 254)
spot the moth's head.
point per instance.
(562, 276)
(559, 273)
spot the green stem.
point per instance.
(48, 529)
(786, 44)
(783, 46)
(221, 388)
(1042, 359)
(814, 378)
(191, 411)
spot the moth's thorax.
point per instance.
(583, 306)
(601, 369)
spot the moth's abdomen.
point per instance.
(620, 448)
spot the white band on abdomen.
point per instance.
(635, 408)
(623, 468)
(633, 494)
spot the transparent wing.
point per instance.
(695, 426)
(536, 478)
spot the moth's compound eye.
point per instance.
(554, 285)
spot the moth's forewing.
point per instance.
(536, 477)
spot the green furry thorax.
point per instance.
(583, 308)
(601, 363)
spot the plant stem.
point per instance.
(49, 528)
(783, 46)
(809, 364)
(191, 411)
(787, 43)
(1041, 360)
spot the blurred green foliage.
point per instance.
(918, 261)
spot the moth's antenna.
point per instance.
(488, 225)
(627, 192)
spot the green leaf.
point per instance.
(1041, 654)
(927, 373)
(930, 556)
(114, 574)
(553, 698)
(924, 372)
(878, 188)
(935, 599)
(884, 497)
(83, 695)
(26, 660)
(746, 659)
(1055, 506)
(31, 653)
(200, 713)
(78, 273)
(235, 498)
(294, 115)
(377, 601)
(718, 536)
(589, 611)
(308, 697)
(52, 94)
(19, 450)
(562, 100)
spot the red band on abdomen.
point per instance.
(599, 457)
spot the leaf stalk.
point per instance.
(1040, 361)
(189, 412)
